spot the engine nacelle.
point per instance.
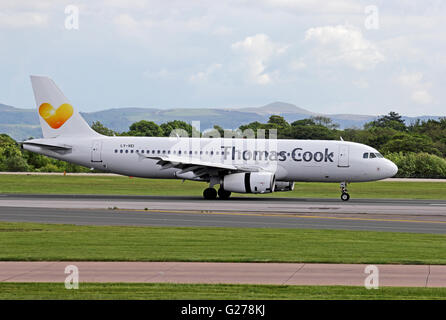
(284, 186)
(249, 182)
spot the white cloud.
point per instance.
(256, 51)
(361, 83)
(410, 79)
(222, 31)
(414, 82)
(421, 97)
(316, 6)
(22, 20)
(126, 22)
(204, 75)
(157, 75)
(297, 64)
(343, 44)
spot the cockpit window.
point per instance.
(379, 155)
(372, 155)
(365, 155)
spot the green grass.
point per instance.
(137, 186)
(167, 291)
(51, 242)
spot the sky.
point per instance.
(337, 56)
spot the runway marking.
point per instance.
(277, 215)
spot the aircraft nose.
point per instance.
(392, 168)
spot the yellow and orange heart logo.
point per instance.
(55, 117)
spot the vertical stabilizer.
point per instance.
(57, 116)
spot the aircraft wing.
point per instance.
(201, 169)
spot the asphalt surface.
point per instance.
(241, 273)
(419, 216)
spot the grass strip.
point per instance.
(115, 185)
(52, 242)
(168, 291)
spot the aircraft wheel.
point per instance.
(223, 194)
(210, 194)
(345, 196)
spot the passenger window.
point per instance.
(120, 151)
(372, 155)
(365, 155)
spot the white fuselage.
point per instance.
(289, 160)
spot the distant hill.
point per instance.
(276, 108)
(21, 124)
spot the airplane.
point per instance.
(237, 165)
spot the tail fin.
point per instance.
(57, 116)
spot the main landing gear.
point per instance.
(211, 194)
(344, 196)
(223, 194)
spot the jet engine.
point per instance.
(284, 186)
(249, 182)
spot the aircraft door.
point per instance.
(343, 159)
(96, 149)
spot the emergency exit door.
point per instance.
(96, 150)
(343, 156)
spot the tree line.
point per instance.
(418, 149)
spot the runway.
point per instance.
(419, 216)
(235, 273)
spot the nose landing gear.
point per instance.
(344, 195)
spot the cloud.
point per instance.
(410, 79)
(343, 44)
(297, 64)
(414, 82)
(204, 75)
(222, 31)
(256, 52)
(421, 97)
(361, 83)
(22, 20)
(315, 6)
